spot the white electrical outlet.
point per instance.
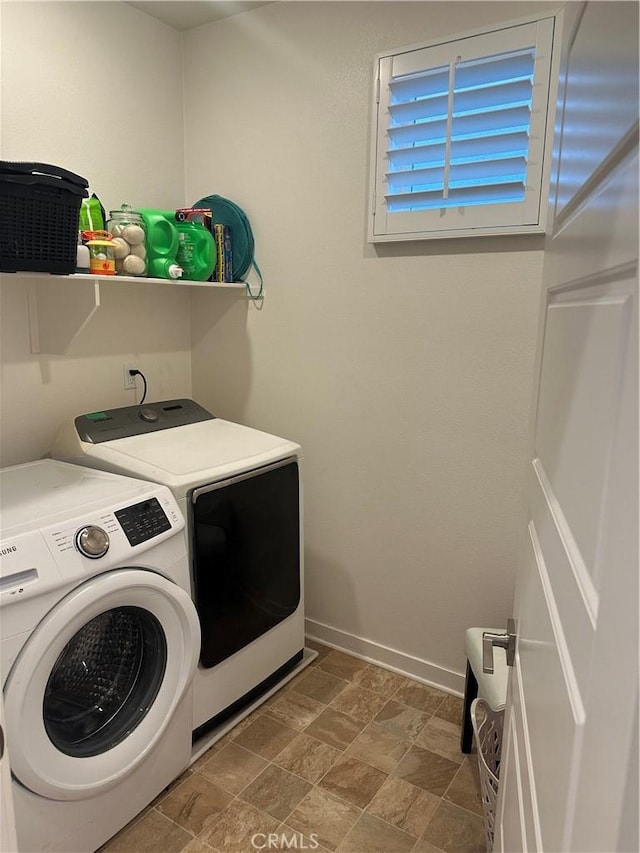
(129, 381)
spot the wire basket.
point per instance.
(487, 728)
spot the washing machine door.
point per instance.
(98, 681)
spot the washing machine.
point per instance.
(99, 642)
(240, 491)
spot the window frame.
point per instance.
(443, 223)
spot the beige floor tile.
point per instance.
(228, 737)
(354, 781)
(450, 709)
(379, 747)
(342, 665)
(326, 816)
(294, 840)
(165, 793)
(335, 728)
(464, 790)
(404, 805)
(276, 792)
(419, 696)
(345, 757)
(426, 770)
(307, 757)
(401, 720)
(371, 835)
(320, 685)
(206, 756)
(266, 736)
(197, 845)
(151, 833)
(423, 846)
(322, 650)
(379, 680)
(442, 737)
(271, 701)
(455, 830)
(233, 768)
(358, 702)
(295, 710)
(195, 804)
(236, 826)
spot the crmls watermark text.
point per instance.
(284, 841)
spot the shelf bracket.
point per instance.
(59, 309)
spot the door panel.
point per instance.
(602, 84)
(581, 363)
(573, 692)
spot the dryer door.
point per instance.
(98, 681)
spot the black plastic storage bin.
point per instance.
(39, 213)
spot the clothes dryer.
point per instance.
(99, 642)
(240, 491)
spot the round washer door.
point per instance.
(95, 686)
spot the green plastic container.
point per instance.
(196, 251)
(162, 243)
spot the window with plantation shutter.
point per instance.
(462, 135)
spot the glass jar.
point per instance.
(128, 232)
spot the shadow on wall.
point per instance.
(221, 351)
(329, 589)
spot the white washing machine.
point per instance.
(99, 643)
(240, 491)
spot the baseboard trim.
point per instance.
(422, 670)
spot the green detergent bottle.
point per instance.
(162, 243)
(196, 251)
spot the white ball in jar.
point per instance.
(115, 230)
(139, 251)
(120, 248)
(133, 234)
(133, 265)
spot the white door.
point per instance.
(570, 751)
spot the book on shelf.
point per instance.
(223, 271)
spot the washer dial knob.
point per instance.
(92, 541)
(149, 415)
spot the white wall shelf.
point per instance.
(60, 306)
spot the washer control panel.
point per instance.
(110, 424)
(114, 535)
(143, 521)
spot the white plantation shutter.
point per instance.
(460, 135)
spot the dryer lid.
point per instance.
(190, 455)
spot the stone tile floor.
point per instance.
(347, 757)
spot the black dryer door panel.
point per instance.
(246, 553)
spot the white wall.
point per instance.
(404, 371)
(96, 88)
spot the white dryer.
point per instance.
(99, 642)
(240, 491)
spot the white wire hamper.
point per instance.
(487, 728)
